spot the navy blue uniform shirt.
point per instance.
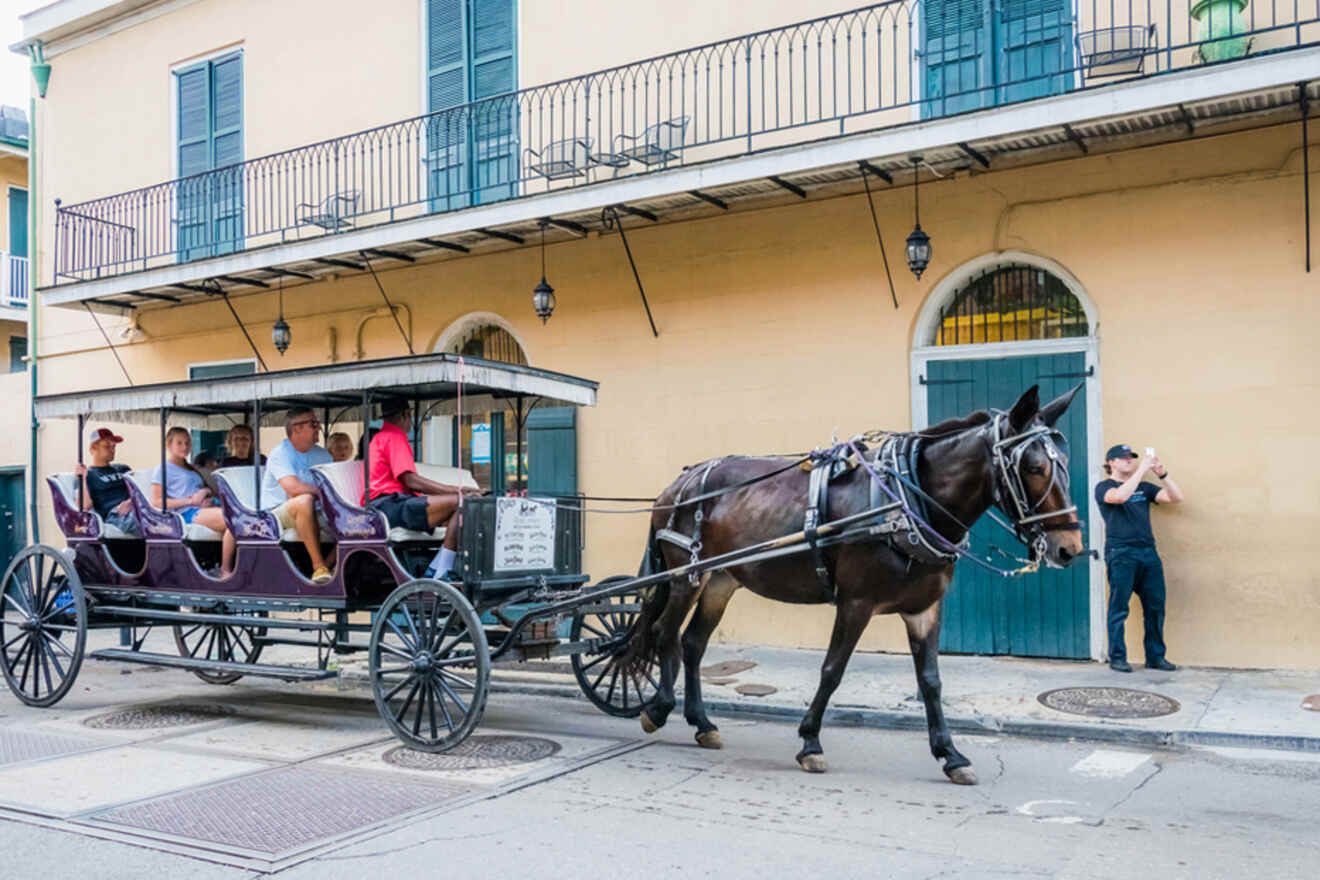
(1127, 524)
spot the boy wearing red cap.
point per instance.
(105, 490)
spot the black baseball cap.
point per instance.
(1122, 450)
(392, 407)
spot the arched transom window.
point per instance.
(1011, 304)
(491, 342)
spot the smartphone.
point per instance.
(1150, 450)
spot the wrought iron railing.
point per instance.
(869, 68)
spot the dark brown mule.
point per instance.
(956, 467)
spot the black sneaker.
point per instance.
(1162, 664)
(1120, 665)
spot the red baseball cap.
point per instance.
(96, 434)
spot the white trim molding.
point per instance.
(462, 325)
(923, 353)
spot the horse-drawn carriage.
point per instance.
(872, 529)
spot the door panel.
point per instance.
(1046, 614)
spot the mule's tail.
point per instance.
(654, 598)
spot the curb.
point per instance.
(860, 716)
(885, 719)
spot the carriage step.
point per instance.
(263, 670)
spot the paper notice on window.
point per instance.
(524, 534)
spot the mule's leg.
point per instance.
(714, 599)
(850, 621)
(681, 596)
(924, 638)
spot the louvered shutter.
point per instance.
(210, 137)
(955, 49)
(496, 121)
(1035, 45)
(552, 451)
(227, 150)
(194, 137)
(447, 133)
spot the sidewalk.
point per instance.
(1217, 707)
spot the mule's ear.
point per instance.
(1050, 412)
(1026, 407)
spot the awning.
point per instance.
(429, 378)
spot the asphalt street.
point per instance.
(666, 807)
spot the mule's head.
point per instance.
(1039, 462)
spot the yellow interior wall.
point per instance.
(777, 332)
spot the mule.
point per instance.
(957, 467)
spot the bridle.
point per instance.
(1010, 494)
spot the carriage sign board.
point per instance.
(524, 533)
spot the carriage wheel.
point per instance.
(429, 665)
(43, 626)
(616, 683)
(231, 642)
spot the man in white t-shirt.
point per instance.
(287, 489)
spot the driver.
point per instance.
(407, 499)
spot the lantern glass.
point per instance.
(543, 300)
(280, 335)
(918, 251)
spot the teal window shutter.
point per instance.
(552, 451)
(471, 155)
(210, 137)
(954, 46)
(1035, 45)
(18, 223)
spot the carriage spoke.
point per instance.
(603, 635)
(439, 634)
(600, 659)
(408, 619)
(395, 670)
(604, 672)
(398, 687)
(444, 710)
(410, 645)
(55, 661)
(460, 660)
(430, 692)
(458, 680)
(14, 639)
(9, 597)
(54, 642)
(408, 702)
(614, 680)
(390, 649)
(454, 696)
(27, 661)
(421, 707)
(45, 666)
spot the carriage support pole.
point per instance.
(366, 448)
(256, 451)
(164, 479)
(82, 420)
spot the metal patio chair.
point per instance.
(330, 213)
(1116, 51)
(657, 144)
(570, 157)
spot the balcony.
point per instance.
(435, 184)
(13, 281)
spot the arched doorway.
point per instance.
(989, 331)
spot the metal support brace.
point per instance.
(876, 222)
(974, 153)
(1305, 99)
(610, 217)
(791, 187)
(216, 289)
(113, 351)
(1076, 138)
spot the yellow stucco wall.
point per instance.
(13, 173)
(776, 331)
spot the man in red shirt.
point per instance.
(408, 499)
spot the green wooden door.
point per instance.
(1046, 614)
(13, 524)
(552, 451)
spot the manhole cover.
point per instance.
(1109, 702)
(150, 717)
(476, 752)
(727, 667)
(719, 680)
(755, 690)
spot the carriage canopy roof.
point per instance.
(433, 379)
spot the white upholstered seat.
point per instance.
(346, 478)
(239, 481)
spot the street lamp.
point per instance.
(918, 243)
(280, 334)
(543, 295)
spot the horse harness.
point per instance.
(897, 499)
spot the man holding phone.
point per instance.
(1131, 561)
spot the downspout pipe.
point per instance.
(41, 77)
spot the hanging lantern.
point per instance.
(918, 242)
(280, 334)
(543, 295)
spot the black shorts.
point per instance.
(403, 511)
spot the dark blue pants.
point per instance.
(1136, 570)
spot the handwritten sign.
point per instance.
(524, 534)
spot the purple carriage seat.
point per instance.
(157, 523)
(75, 523)
(238, 499)
(341, 492)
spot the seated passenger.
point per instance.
(239, 444)
(187, 496)
(340, 446)
(205, 463)
(407, 499)
(106, 492)
(287, 489)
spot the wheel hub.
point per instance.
(422, 662)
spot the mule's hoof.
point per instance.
(710, 739)
(961, 776)
(813, 763)
(649, 726)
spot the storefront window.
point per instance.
(486, 441)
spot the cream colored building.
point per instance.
(14, 282)
(1115, 201)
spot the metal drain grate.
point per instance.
(281, 811)
(1109, 702)
(168, 715)
(476, 752)
(22, 745)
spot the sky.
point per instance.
(14, 74)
